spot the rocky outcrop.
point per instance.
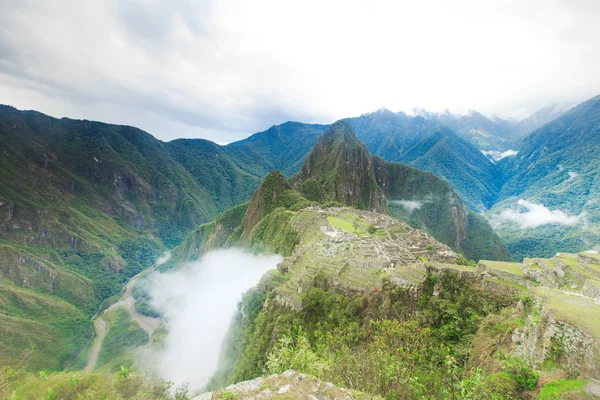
(289, 385)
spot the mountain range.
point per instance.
(85, 205)
(493, 134)
(558, 166)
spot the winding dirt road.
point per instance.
(126, 301)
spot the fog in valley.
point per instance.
(198, 302)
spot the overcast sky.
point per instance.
(225, 69)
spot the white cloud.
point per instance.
(199, 301)
(224, 69)
(572, 175)
(409, 205)
(531, 215)
(496, 155)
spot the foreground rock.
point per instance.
(288, 385)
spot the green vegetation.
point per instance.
(556, 389)
(123, 335)
(20, 384)
(385, 342)
(355, 224)
(274, 234)
(431, 146)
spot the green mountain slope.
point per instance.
(232, 173)
(557, 166)
(83, 207)
(431, 146)
(282, 147)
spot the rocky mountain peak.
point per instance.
(343, 167)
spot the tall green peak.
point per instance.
(266, 198)
(342, 166)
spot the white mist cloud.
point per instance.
(572, 175)
(496, 155)
(531, 215)
(413, 205)
(199, 301)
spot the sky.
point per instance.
(222, 70)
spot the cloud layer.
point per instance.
(224, 69)
(199, 301)
(530, 215)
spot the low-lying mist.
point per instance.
(198, 302)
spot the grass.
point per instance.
(511, 267)
(591, 255)
(510, 284)
(20, 384)
(555, 389)
(39, 331)
(355, 224)
(581, 312)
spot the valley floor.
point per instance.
(126, 302)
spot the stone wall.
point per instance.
(544, 338)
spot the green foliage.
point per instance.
(313, 191)
(274, 234)
(19, 384)
(522, 373)
(140, 253)
(462, 260)
(457, 311)
(386, 342)
(570, 145)
(431, 146)
(295, 353)
(556, 389)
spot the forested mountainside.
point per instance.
(83, 207)
(430, 146)
(557, 166)
(233, 172)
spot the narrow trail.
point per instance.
(100, 326)
(126, 301)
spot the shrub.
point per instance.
(522, 372)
